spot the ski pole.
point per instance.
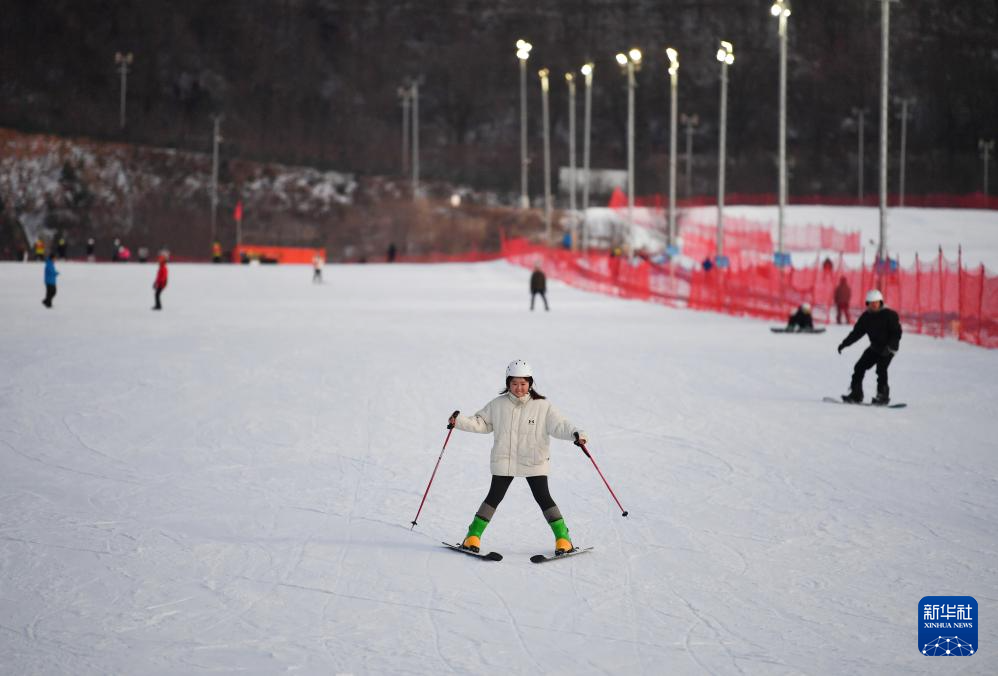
(450, 428)
(623, 512)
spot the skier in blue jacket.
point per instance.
(50, 274)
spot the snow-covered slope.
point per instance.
(227, 486)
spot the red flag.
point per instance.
(238, 213)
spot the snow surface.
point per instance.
(227, 486)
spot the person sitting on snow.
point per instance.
(801, 320)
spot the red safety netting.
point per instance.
(977, 200)
(937, 297)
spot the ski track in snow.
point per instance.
(228, 485)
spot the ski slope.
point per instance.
(227, 486)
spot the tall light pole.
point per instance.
(860, 114)
(216, 139)
(673, 115)
(726, 55)
(781, 10)
(415, 139)
(587, 71)
(986, 148)
(570, 80)
(905, 102)
(543, 73)
(629, 63)
(123, 61)
(404, 96)
(690, 122)
(885, 33)
(523, 53)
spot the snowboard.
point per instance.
(486, 556)
(543, 558)
(832, 400)
(783, 329)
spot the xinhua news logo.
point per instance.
(947, 626)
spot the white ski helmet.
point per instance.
(519, 369)
(806, 307)
(874, 295)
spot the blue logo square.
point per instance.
(947, 626)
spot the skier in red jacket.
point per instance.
(160, 283)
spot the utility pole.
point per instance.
(415, 140)
(570, 79)
(905, 103)
(216, 139)
(986, 148)
(860, 114)
(123, 61)
(690, 123)
(403, 93)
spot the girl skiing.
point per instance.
(522, 421)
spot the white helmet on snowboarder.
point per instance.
(806, 307)
(874, 295)
(519, 369)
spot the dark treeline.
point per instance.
(316, 82)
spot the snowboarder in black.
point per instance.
(883, 326)
(538, 285)
(801, 320)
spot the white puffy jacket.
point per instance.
(522, 428)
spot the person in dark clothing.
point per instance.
(62, 247)
(843, 294)
(50, 274)
(801, 320)
(883, 326)
(392, 251)
(91, 245)
(538, 285)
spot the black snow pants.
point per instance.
(534, 294)
(868, 360)
(49, 295)
(538, 487)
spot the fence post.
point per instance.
(980, 307)
(899, 280)
(942, 304)
(918, 292)
(862, 276)
(959, 292)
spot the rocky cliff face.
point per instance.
(161, 198)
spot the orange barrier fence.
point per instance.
(937, 297)
(275, 254)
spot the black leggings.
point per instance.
(538, 487)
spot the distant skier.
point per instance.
(843, 294)
(317, 262)
(91, 246)
(160, 283)
(50, 274)
(883, 326)
(538, 286)
(392, 252)
(522, 421)
(801, 320)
